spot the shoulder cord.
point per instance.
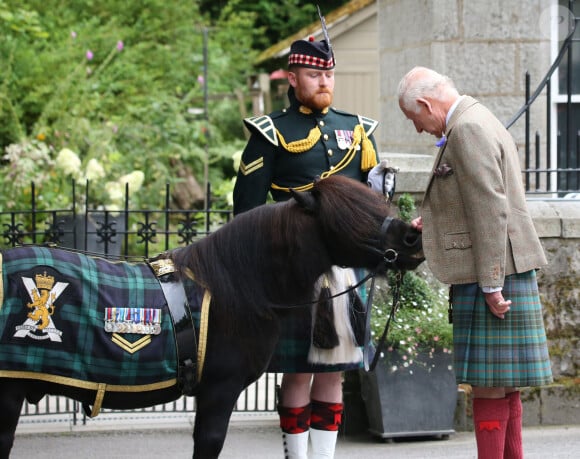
(299, 146)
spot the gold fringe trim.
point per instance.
(203, 326)
(88, 385)
(98, 400)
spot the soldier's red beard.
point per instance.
(318, 101)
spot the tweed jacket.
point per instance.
(476, 225)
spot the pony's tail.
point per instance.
(324, 334)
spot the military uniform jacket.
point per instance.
(476, 225)
(323, 140)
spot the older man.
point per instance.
(479, 237)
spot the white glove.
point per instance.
(382, 178)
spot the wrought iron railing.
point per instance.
(551, 166)
(127, 234)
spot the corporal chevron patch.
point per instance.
(247, 169)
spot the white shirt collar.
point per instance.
(452, 109)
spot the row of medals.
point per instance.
(131, 327)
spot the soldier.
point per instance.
(289, 149)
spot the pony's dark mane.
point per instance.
(271, 255)
(353, 210)
(258, 259)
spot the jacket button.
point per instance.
(321, 123)
(329, 152)
(325, 136)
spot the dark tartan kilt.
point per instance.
(290, 355)
(491, 352)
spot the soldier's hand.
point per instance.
(382, 178)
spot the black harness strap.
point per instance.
(394, 307)
(183, 324)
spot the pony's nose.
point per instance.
(413, 240)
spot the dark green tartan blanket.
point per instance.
(53, 319)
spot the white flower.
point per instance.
(237, 157)
(68, 162)
(115, 191)
(94, 170)
(135, 179)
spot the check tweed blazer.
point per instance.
(476, 225)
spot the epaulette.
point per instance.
(368, 124)
(265, 126)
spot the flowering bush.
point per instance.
(420, 326)
(32, 161)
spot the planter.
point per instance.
(417, 400)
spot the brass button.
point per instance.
(325, 136)
(329, 152)
(321, 123)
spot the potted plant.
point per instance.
(412, 390)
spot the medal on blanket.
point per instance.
(141, 321)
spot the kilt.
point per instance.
(292, 351)
(491, 352)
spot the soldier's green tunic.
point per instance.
(290, 149)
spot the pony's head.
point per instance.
(357, 226)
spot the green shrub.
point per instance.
(421, 321)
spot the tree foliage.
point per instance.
(125, 83)
(276, 20)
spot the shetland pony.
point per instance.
(125, 335)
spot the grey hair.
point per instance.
(422, 82)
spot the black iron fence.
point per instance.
(126, 234)
(551, 155)
(259, 397)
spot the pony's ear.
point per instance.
(305, 199)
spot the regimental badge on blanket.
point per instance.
(43, 294)
(143, 321)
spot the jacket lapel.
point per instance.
(465, 103)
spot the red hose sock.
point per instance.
(325, 415)
(513, 437)
(490, 416)
(294, 420)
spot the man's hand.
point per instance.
(417, 223)
(382, 178)
(497, 304)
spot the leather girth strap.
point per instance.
(183, 324)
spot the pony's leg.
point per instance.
(214, 407)
(11, 400)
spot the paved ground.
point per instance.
(250, 436)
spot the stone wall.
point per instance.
(485, 47)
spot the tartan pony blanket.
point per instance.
(84, 321)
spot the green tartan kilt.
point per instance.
(491, 352)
